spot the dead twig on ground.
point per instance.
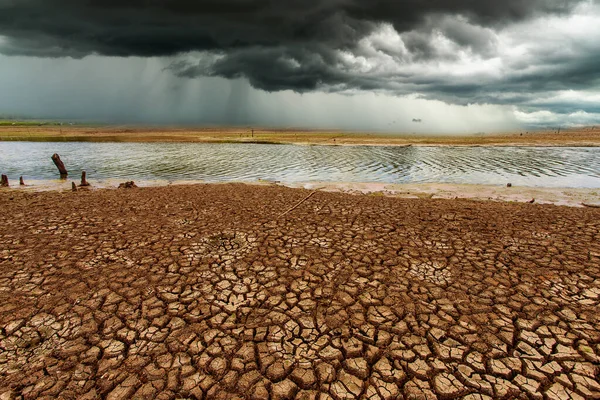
(297, 205)
(590, 205)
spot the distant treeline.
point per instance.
(10, 122)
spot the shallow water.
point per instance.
(525, 166)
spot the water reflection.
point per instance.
(539, 166)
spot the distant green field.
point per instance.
(8, 122)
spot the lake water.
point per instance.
(526, 166)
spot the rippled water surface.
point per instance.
(532, 166)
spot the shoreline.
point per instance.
(559, 196)
(582, 137)
(276, 143)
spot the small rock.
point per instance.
(128, 185)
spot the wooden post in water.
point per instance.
(4, 181)
(61, 167)
(73, 186)
(84, 182)
(21, 181)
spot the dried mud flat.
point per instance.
(208, 291)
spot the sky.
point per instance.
(385, 65)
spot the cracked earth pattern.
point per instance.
(203, 292)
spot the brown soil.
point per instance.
(228, 291)
(589, 136)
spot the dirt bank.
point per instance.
(589, 136)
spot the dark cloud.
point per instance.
(307, 45)
(271, 69)
(168, 27)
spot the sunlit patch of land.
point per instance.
(37, 131)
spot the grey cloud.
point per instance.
(313, 45)
(269, 69)
(480, 40)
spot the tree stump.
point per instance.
(4, 181)
(21, 181)
(61, 167)
(84, 182)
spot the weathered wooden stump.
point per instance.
(4, 181)
(73, 186)
(61, 167)
(84, 182)
(21, 181)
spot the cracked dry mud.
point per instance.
(201, 292)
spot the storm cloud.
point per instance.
(509, 52)
(167, 27)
